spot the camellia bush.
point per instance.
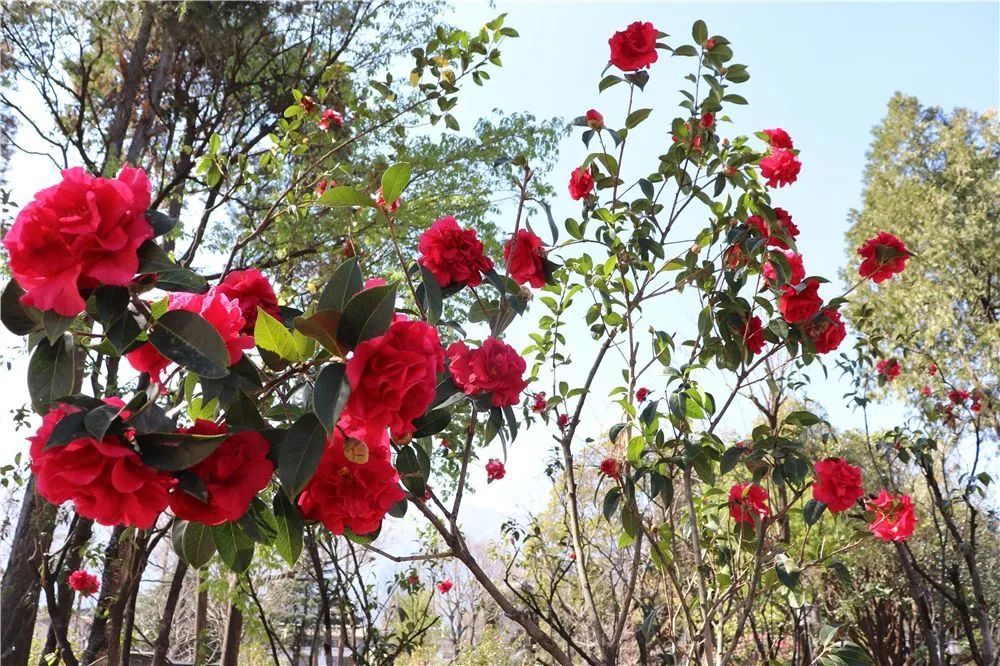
(252, 424)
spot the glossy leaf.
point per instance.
(189, 340)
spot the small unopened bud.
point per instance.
(526, 292)
(696, 248)
(709, 44)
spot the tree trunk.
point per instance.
(201, 620)
(162, 644)
(74, 555)
(131, 80)
(97, 639)
(19, 592)
(234, 630)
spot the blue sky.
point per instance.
(822, 71)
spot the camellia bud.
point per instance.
(709, 44)
(707, 120)
(526, 292)
(696, 248)
(307, 103)
(595, 120)
(730, 171)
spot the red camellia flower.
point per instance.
(748, 503)
(926, 391)
(581, 183)
(84, 582)
(780, 167)
(752, 334)
(494, 470)
(232, 475)
(538, 402)
(454, 255)
(563, 421)
(838, 484)
(884, 256)
(779, 138)
(594, 119)
(634, 47)
(610, 468)
(798, 269)
(800, 302)
(785, 221)
(642, 394)
(330, 118)
(495, 368)
(106, 480)
(826, 330)
(219, 310)
(251, 290)
(523, 254)
(393, 377)
(79, 234)
(707, 120)
(894, 518)
(956, 396)
(888, 368)
(345, 494)
(444, 587)
(932, 370)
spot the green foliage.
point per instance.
(932, 180)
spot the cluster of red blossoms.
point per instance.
(838, 485)
(108, 482)
(85, 233)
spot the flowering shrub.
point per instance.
(327, 414)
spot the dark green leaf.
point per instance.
(235, 547)
(161, 222)
(193, 543)
(699, 31)
(169, 275)
(330, 395)
(345, 282)
(410, 472)
(51, 373)
(98, 420)
(174, 451)
(69, 428)
(289, 540)
(18, 318)
(367, 315)
(259, 523)
(430, 294)
(431, 423)
(813, 511)
(611, 501)
(189, 340)
(730, 458)
(298, 454)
